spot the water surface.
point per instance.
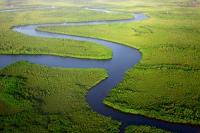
(124, 58)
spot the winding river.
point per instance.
(124, 58)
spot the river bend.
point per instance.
(123, 59)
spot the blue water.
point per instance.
(124, 58)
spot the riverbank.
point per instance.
(165, 82)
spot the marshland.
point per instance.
(99, 66)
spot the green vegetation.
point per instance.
(168, 94)
(165, 84)
(144, 129)
(16, 43)
(43, 99)
(10, 85)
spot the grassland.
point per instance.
(15, 43)
(36, 98)
(165, 84)
(144, 129)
